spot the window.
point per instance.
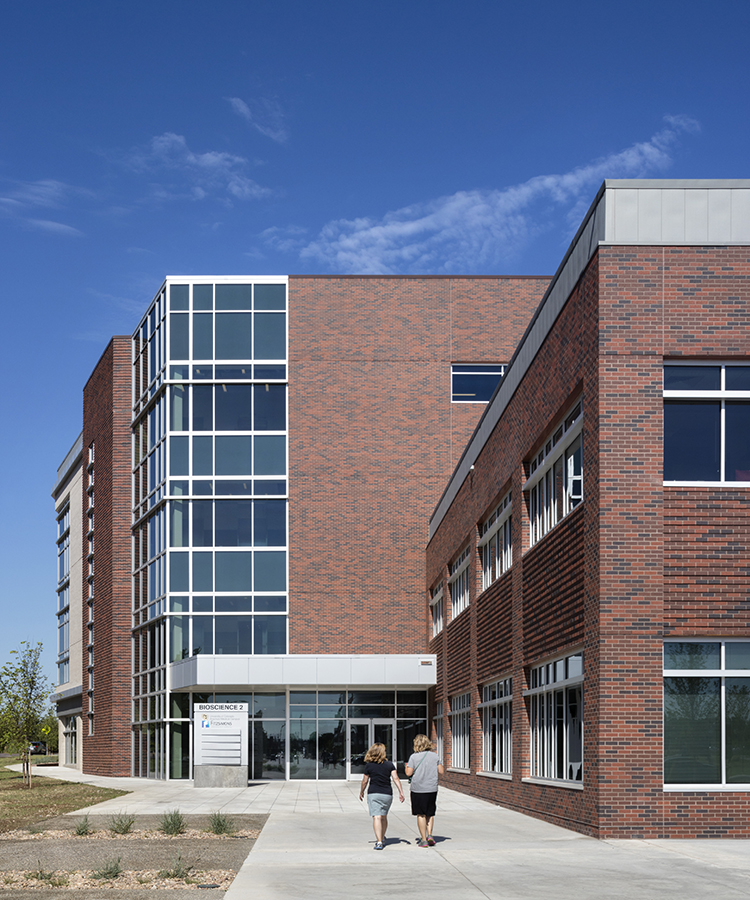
(555, 483)
(707, 713)
(497, 716)
(475, 382)
(460, 720)
(556, 719)
(459, 583)
(495, 542)
(706, 423)
(436, 608)
(438, 720)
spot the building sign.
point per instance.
(220, 732)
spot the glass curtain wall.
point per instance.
(209, 492)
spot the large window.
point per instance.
(497, 731)
(555, 483)
(436, 608)
(460, 721)
(495, 542)
(475, 382)
(556, 719)
(706, 423)
(707, 713)
(459, 583)
(438, 722)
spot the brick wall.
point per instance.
(106, 423)
(373, 437)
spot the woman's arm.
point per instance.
(363, 786)
(397, 782)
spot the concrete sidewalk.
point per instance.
(318, 843)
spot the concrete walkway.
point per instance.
(318, 843)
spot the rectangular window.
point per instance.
(436, 608)
(556, 719)
(555, 483)
(459, 583)
(706, 423)
(495, 542)
(707, 714)
(497, 718)
(475, 382)
(438, 720)
(460, 722)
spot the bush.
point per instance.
(220, 824)
(178, 870)
(172, 822)
(109, 870)
(83, 827)
(121, 823)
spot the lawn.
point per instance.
(22, 807)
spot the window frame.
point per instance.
(459, 717)
(549, 747)
(458, 583)
(722, 673)
(496, 541)
(720, 396)
(475, 369)
(554, 488)
(436, 608)
(497, 727)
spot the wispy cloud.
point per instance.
(265, 115)
(22, 198)
(476, 229)
(200, 175)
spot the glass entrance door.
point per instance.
(362, 734)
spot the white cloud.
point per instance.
(55, 227)
(201, 174)
(477, 229)
(24, 196)
(266, 116)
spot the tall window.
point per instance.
(707, 713)
(63, 596)
(555, 483)
(475, 382)
(556, 719)
(706, 423)
(460, 721)
(495, 542)
(497, 717)
(459, 583)
(438, 720)
(436, 608)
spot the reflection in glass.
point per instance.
(692, 378)
(270, 604)
(270, 454)
(270, 407)
(692, 440)
(737, 655)
(203, 336)
(270, 706)
(179, 346)
(270, 336)
(233, 523)
(203, 572)
(178, 455)
(233, 296)
(303, 741)
(692, 655)
(202, 407)
(233, 336)
(233, 634)
(233, 407)
(203, 635)
(203, 455)
(178, 523)
(179, 409)
(203, 530)
(233, 454)
(179, 567)
(737, 378)
(242, 488)
(270, 571)
(233, 570)
(738, 730)
(737, 441)
(270, 296)
(179, 296)
(203, 296)
(234, 604)
(270, 635)
(178, 637)
(269, 523)
(269, 761)
(692, 730)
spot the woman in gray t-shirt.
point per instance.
(424, 767)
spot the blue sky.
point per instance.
(421, 136)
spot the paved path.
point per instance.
(318, 843)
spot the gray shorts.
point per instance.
(379, 804)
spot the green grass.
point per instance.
(121, 823)
(22, 807)
(172, 822)
(109, 871)
(220, 824)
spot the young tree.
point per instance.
(24, 694)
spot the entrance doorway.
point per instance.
(362, 734)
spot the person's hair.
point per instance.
(376, 753)
(422, 742)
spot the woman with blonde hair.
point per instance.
(378, 774)
(424, 767)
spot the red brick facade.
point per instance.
(373, 437)
(106, 427)
(635, 563)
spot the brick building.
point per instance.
(258, 464)
(588, 573)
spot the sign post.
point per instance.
(220, 744)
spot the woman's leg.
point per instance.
(379, 825)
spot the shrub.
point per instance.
(109, 871)
(172, 822)
(83, 827)
(220, 824)
(121, 823)
(179, 870)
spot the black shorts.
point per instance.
(423, 804)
